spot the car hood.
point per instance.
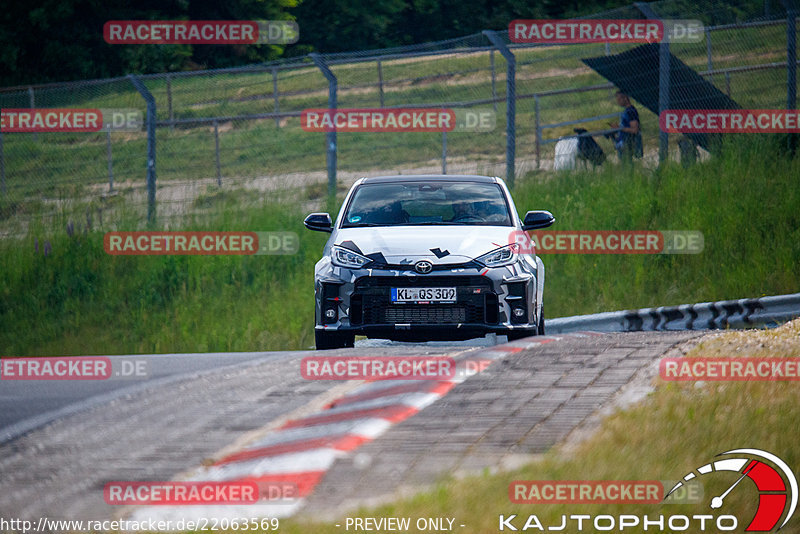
(404, 244)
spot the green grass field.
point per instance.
(79, 300)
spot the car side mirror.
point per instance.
(320, 222)
(537, 219)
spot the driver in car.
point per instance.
(465, 211)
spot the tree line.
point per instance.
(62, 40)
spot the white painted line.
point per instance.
(368, 427)
(415, 400)
(294, 462)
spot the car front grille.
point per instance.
(366, 283)
(424, 314)
(371, 304)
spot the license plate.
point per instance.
(424, 295)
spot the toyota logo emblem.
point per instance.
(423, 267)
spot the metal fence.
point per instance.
(238, 130)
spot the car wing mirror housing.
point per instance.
(320, 222)
(537, 219)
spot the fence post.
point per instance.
(538, 130)
(608, 53)
(216, 152)
(444, 151)
(151, 146)
(32, 102)
(380, 81)
(663, 97)
(791, 59)
(2, 166)
(709, 61)
(275, 95)
(110, 164)
(494, 81)
(663, 82)
(330, 136)
(169, 104)
(511, 100)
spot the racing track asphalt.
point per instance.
(192, 410)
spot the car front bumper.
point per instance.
(489, 300)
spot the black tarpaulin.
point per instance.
(636, 73)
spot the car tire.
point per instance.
(520, 334)
(333, 340)
(540, 327)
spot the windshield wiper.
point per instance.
(361, 225)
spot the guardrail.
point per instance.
(742, 313)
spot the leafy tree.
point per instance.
(61, 40)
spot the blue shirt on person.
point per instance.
(634, 141)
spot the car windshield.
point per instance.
(427, 203)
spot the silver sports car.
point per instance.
(417, 258)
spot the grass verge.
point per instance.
(79, 300)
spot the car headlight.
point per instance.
(347, 258)
(500, 257)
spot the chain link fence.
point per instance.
(235, 135)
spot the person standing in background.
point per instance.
(628, 141)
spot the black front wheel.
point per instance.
(540, 328)
(514, 335)
(333, 340)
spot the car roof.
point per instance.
(429, 178)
